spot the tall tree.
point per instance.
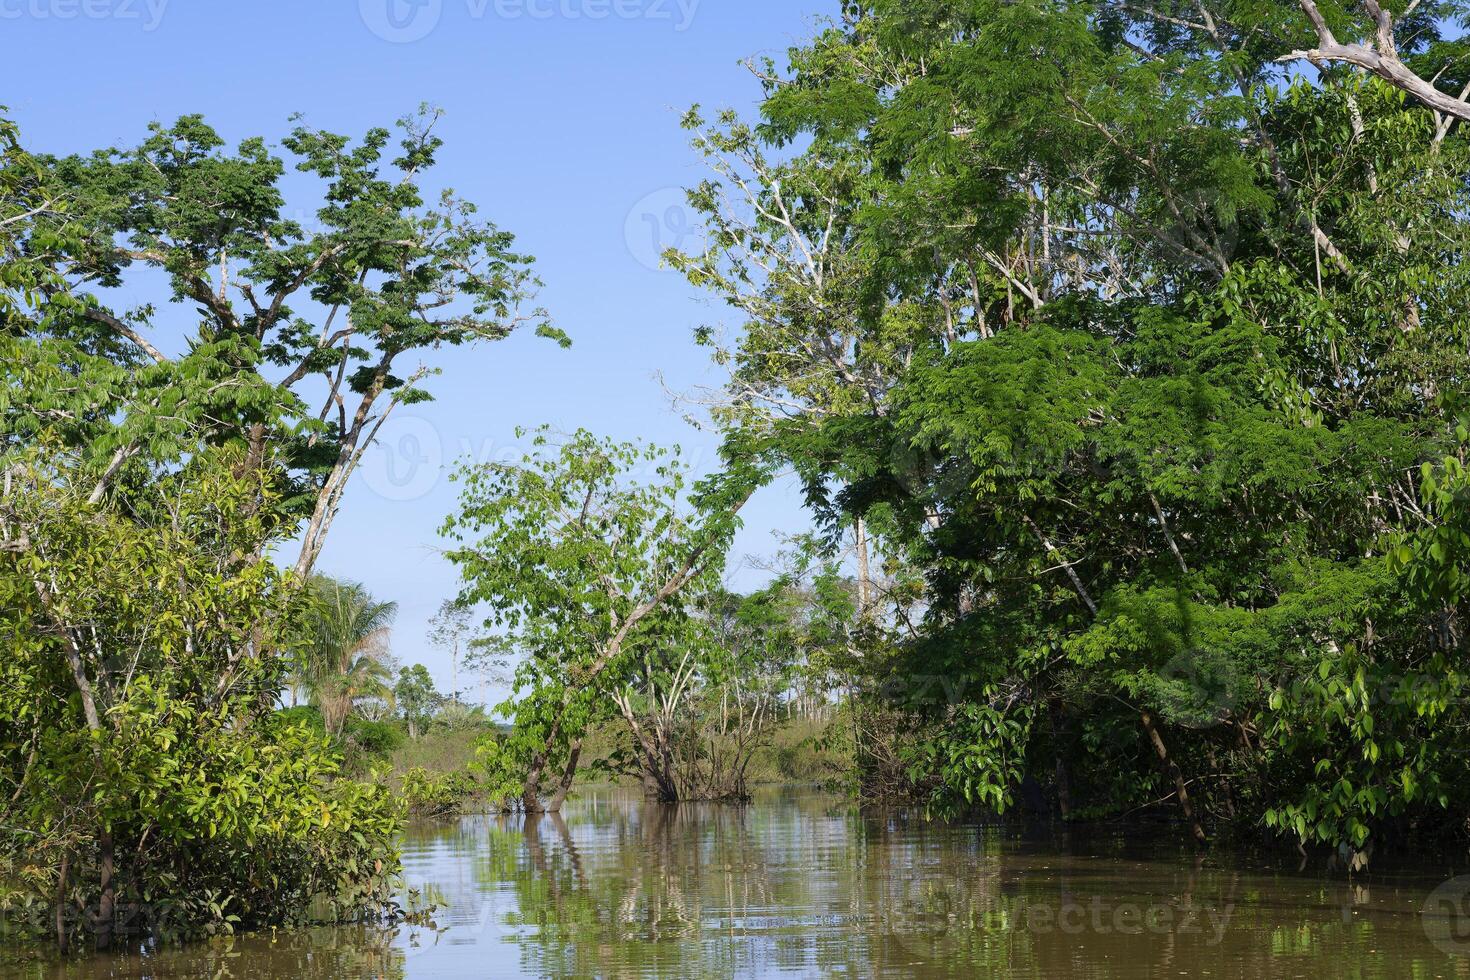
(453, 630)
(152, 480)
(1073, 305)
(300, 337)
(347, 657)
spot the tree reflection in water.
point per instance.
(805, 884)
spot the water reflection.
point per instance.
(804, 884)
(312, 953)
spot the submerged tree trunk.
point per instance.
(1063, 773)
(59, 912)
(107, 903)
(568, 775)
(531, 798)
(1064, 787)
(659, 783)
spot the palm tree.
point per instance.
(346, 660)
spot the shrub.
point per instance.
(428, 794)
(306, 716)
(374, 738)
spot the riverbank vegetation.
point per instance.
(1124, 346)
(1132, 418)
(1121, 352)
(601, 564)
(169, 472)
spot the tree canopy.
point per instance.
(169, 472)
(1140, 336)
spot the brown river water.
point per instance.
(805, 884)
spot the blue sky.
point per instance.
(562, 124)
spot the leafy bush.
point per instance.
(305, 716)
(429, 794)
(156, 793)
(375, 738)
(222, 828)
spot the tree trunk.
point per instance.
(531, 798)
(531, 795)
(669, 770)
(1064, 788)
(567, 776)
(658, 782)
(865, 577)
(1181, 790)
(107, 903)
(59, 912)
(1062, 770)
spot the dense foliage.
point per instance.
(1146, 355)
(585, 553)
(158, 462)
(1121, 350)
(149, 787)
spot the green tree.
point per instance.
(149, 492)
(581, 552)
(302, 330)
(416, 698)
(347, 658)
(1139, 373)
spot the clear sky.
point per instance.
(562, 124)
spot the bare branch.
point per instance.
(101, 316)
(1381, 59)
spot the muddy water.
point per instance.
(805, 884)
